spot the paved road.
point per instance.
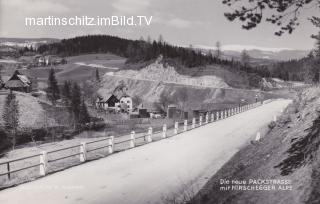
(148, 173)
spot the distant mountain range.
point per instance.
(26, 42)
(272, 54)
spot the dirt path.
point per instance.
(147, 174)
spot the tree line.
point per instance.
(70, 96)
(141, 51)
(145, 50)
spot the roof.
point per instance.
(125, 96)
(108, 96)
(18, 80)
(24, 79)
(15, 84)
(113, 97)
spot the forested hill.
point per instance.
(139, 50)
(134, 50)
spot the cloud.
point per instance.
(176, 22)
(179, 23)
(35, 6)
(130, 6)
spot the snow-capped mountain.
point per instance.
(268, 53)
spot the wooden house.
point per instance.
(18, 82)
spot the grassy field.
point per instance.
(79, 72)
(79, 68)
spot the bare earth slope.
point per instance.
(147, 173)
(157, 71)
(148, 83)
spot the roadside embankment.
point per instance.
(288, 151)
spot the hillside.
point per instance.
(203, 90)
(290, 151)
(160, 72)
(31, 112)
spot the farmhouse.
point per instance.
(39, 60)
(125, 104)
(115, 103)
(18, 82)
(46, 60)
(111, 102)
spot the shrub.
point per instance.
(4, 141)
(272, 125)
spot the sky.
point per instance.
(180, 22)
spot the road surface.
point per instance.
(151, 172)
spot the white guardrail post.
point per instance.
(132, 139)
(164, 131)
(149, 138)
(176, 126)
(43, 163)
(217, 115)
(111, 144)
(83, 152)
(212, 117)
(221, 114)
(185, 125)
(207, 118)
(258, 136)
(193, 123)
(275, 118)
(200, 120)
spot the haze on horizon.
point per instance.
(181, 22)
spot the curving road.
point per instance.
(151, 172)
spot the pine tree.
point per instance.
(53, 93)
(75, 104)
(11, 117)
(97, 75)
(66, 93)
(84, 116)
(317, 45)
(160, 39)
(218, 50)
(245, 58)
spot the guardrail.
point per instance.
(83, 149)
